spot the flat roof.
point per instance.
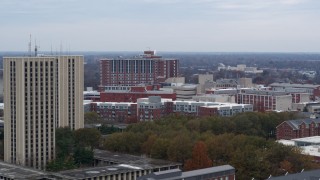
(306, 175)
(286, 142)
(207, 171)
(98, 171)
(20, 172)
(113, 103)
(139, 58)
(310, 150)
(312, 139)
(295, 85)
(227, 105)
(13, 171)
(140, 161)
(124, 163)
(177, 174)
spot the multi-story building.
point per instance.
(240, 67)
(312, 89)
(145, 69)
(154, 107)
(41, 94)
(265, 100)
(131, 94)
(224, 98)
(224, 110)
(118, 112)
(91, 95)
(185, 91)
(298, 128)
(202, 109)
(300, 97)
(228, 91)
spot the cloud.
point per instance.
(292, 2)
(231, 4)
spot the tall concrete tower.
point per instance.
(40, 94)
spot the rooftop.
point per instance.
(306, 175)
(312, 139)
(19, 172)
(98, 171)
(295, 123)
(295, 85)
(123, 163)
(139, 161)
(175, 174)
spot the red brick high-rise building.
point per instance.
(144, 69)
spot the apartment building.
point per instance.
(155, 107)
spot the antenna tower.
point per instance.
(29, 47)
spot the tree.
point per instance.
(286, 166)
(147, 145)
(159, 149)
(199, 159)
(64, 142)
(60, 164)
(87, 137)
(83, 156)
(74, 148)
(180, 147)
(91, 117)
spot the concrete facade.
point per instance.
(41, 94)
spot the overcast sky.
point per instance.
(164, 25)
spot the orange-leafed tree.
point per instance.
(200, 158)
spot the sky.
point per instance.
(163, 25)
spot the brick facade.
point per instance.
(145, 69)
(134, 93)
(298, 129)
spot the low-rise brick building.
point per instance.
(298, 128)
(155, 107)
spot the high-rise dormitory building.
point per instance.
(40, 94)
(144, 69)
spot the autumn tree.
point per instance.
(147, 145)
(200, 158)
(159, 149)
(180, 148)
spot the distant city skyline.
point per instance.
(164, 25)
